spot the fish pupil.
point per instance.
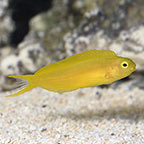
(124, 65)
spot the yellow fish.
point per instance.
(90, 68)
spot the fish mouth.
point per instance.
(133, 68)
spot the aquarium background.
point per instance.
(36, 33)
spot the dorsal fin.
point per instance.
(93, 53)
(90, 54)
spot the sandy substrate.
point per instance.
(85, 116)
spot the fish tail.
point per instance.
(26, 83)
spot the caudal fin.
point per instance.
(26, 82)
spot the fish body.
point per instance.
(90, 68)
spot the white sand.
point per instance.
(85, 116)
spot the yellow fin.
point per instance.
(29, 85)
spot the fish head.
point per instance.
(125, 67)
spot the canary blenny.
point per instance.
(90, 68)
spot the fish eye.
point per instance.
(124, 64)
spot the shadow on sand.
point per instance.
(133, 113)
